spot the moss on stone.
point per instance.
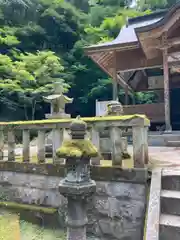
(18, 206)
(90, 119)
(126, 155)
(77, 149)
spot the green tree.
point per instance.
(155, 4)
(29, 29)
(29, 79)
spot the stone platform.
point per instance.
(167, 139)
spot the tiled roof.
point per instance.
(127, 33)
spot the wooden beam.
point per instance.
(140, 63)
(113, 47)
(174, 57)
(123, 83)
(115, 84)
(166, 91)
(119, 79)
(159, 45)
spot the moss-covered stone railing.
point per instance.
(59, 127)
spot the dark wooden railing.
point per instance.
(154, 112)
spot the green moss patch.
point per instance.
(18, 206)
(77, 149)
(90, 119)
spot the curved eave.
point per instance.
(110, 46)
(161, 22)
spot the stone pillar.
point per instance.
(76, 219)
(1, 145)
(41, 146)
(95, 138)
(11, 145)
(115, 136)
(140, 146)
(57, 140)
(26, 145)
(166, 91)
(77, 186)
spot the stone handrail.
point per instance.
(59, 127)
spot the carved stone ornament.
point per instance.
(115, 108)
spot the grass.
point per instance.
(13, 228)
(9, 226)
(31, 231)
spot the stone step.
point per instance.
(170, 202)
(156, 139)
(169, 227)
(171, 179)
(173, 143)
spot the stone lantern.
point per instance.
(58, 101)
(115, 108)
(77, 185)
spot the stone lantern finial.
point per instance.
(78, 128)
(115, 108)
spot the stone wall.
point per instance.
(115, 213)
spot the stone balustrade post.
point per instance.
(58, 136)
(1, 145)
(116, 141)
(77, 186)
(95, 138)
(140, 146)
(26, 146)
(41, 146)
(57, 139)
(11, 145)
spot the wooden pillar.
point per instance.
(126, 96)
(115, 85)
(166, 91)
(133, 99)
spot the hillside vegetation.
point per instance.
(41, 41)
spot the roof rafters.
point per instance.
(120, 79)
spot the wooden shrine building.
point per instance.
(145, 56)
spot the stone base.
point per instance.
(116, 212)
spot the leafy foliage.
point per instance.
(42, 41)
(155, 4)
(29, 78)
